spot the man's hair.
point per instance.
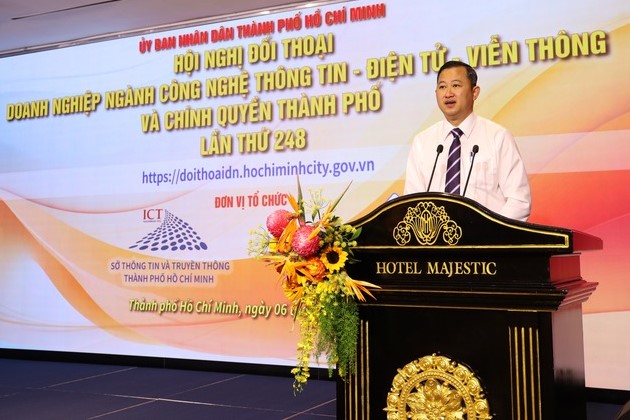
(470, 72)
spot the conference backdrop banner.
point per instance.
(133, 169)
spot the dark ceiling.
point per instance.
(37, 24)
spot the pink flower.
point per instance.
(301, 243)
(278, 221)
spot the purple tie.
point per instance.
(453, 169)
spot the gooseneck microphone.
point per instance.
(474, 152)
(439, 150)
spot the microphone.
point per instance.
(439, 150)
(474, 152)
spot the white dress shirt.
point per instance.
(498, 179)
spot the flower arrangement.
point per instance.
(309, 248)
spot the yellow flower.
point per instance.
(334, 258)
(284, 241)
(325, 288)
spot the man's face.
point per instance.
(455, 95)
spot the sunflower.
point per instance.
(334, 258)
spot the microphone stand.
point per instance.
(439, 150)
(474, 152)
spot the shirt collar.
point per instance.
(466, 126)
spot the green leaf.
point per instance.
(334, 205)
(356, 233)
(300, 202)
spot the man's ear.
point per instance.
(476, 90)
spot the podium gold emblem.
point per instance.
(435, 387)
(426, 222)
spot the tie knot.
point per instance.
(457, 132)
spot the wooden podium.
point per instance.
(478, 316)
